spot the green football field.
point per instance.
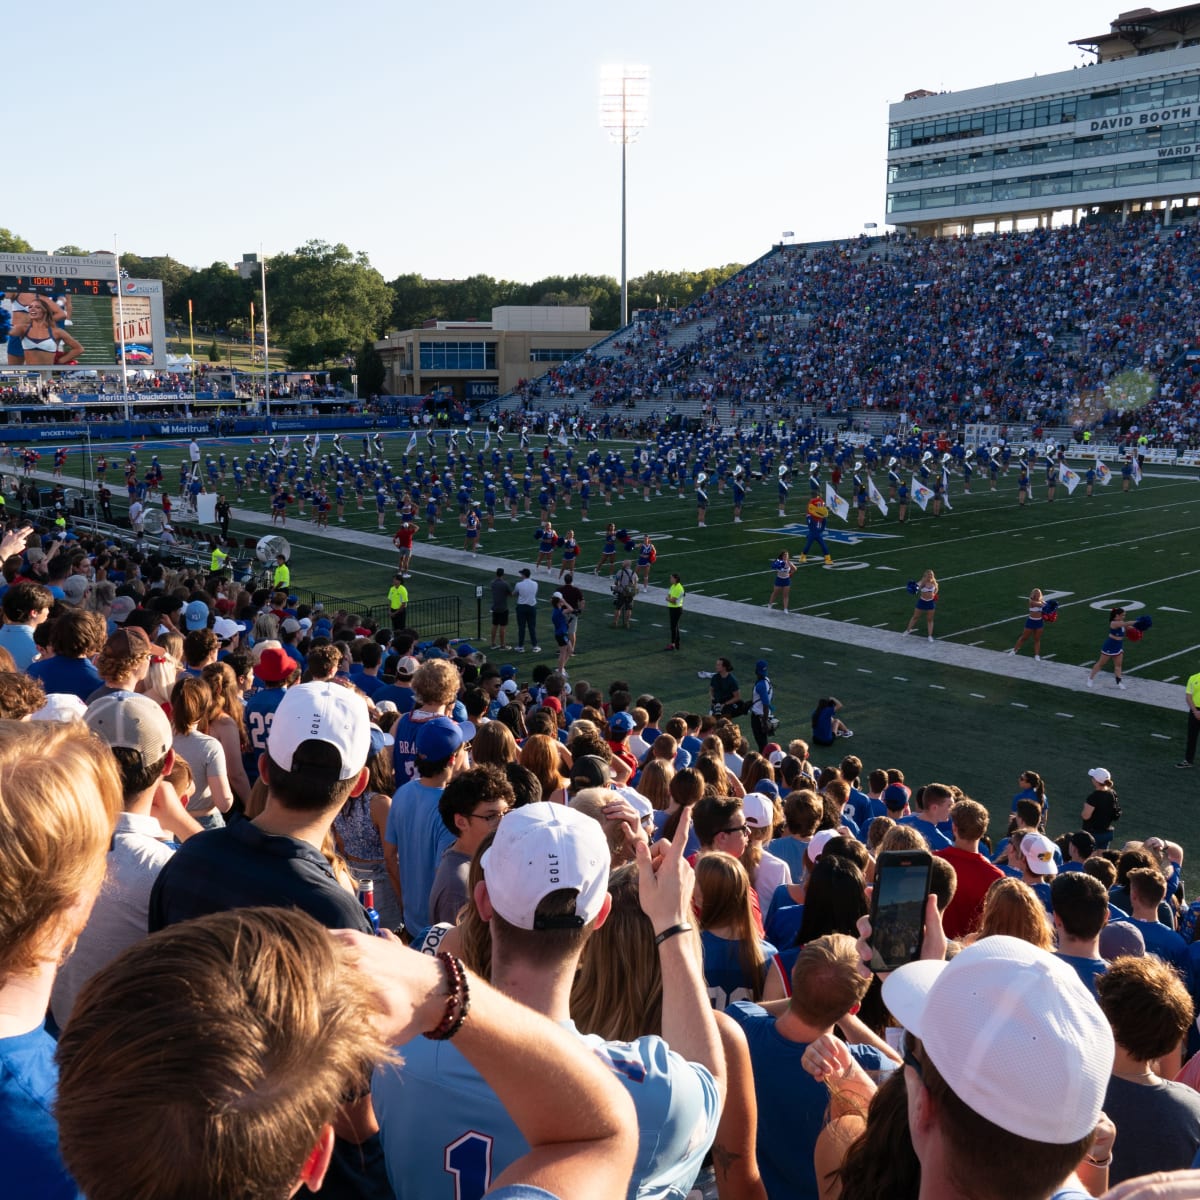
(977, 728)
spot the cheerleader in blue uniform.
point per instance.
(1034, 624)
(608, 556)
(570, 553)
(1114, 647)
(927, 593)
(784, 569)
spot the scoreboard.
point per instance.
(94, 315)
(48, 285)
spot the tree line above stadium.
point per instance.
(326, 300)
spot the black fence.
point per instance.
(430, 616)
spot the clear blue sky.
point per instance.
(462, 138)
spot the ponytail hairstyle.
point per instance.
(1037, 786)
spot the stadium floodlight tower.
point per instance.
(624, 112)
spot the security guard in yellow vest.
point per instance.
(398, 601)
(219, 559)
(282, 578)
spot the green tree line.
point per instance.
(326, 300)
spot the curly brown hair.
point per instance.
(19, 695)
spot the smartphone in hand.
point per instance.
(898, 907)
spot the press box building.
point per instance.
(1118, 135)
(476, 361)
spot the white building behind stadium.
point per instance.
(1118, 135)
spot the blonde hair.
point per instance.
(265, 628)
(263, 1014)
(59, 801)
(724, 888)
(226, 697)
(617, 992)
(161, 675)
(901, 837)
(172, 644)
(1011, 906)
(591, 802)
(436, 682)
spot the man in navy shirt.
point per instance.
(315, 760)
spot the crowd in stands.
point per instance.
(647, 941)
(1085, 326)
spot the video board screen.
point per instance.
(64, 313)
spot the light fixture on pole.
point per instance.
(624, 112)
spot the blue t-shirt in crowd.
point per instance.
(70, 676)
(28, 1132)
(1086, 968)
(724, 974)
(416, 829)
(442, 1124)
(791, 1103)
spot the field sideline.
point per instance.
(974, 727)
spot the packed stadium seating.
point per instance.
(1069, 328)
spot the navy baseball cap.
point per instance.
(760, 667)
(895, 796)
(508, 671)
(767, 787)
(437, 739)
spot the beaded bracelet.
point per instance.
(458, 999)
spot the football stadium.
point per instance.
(908, 506)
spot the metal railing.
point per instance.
(431, 616)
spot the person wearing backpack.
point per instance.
(624, 589)
(1102, 809)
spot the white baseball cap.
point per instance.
(818, 842)
(1100, 775)
(760, 812)
(1039, 853)
(541, 848)
(60, 706)
(225, 628)
(1007, 1025)
(321, 712)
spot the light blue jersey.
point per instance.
(446, 1136)
(416, 829)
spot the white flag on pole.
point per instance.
(946, 490)
(920, 493)
(1137, 470)
(1103, 473)
(1070, 479)
(876, 496)
(836, 504)
(412, 444)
